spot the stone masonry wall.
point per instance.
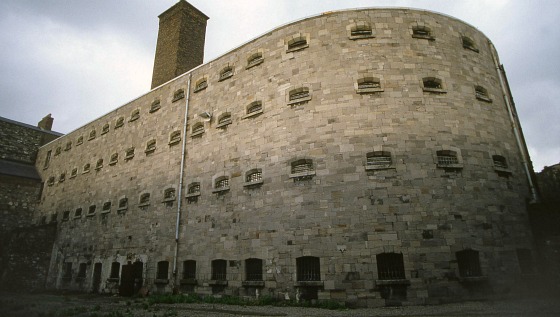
(342, 212)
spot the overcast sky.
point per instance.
(81, 59)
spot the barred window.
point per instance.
(224, 120)
(303, 165)
(253, 270)
(447, 158)
(114, 159)
(74, 172)
(91, 209)
(134, 116)
(80, 140)
(78, 213)
(105, 128)
(68, 146)
(58, 151)
(175, 137)
(297, 43)
(62, 177)
(197, 129)
(194, 188)
(201, 85)
(86, 168)
(169, 194)
(150, 146)
(422, 32)
(99, 164)
(178, 95)
(129, 153)
(469, 263)
(50, 181)
(222, 182)
(226, 73)
(66, 215)
(481, 94)
(390, 266)
(308, 268)
(145, 199)
(360, 30)
(468, 43)
(219, 270)
(369, 83)
(91, 135)
(189, 269)
(255, 59)
(299, 93)
(500, 161)
(119, 123)
(106, 206)
(432, 84)
(162, 270)
(378, 159)
(156, 105)
(254, 107)
(254, 176)
(123, 203)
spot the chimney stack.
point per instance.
(46, 123)
(180, 43)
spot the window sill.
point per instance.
(89, 139)
(192, 195)
(197, 89)
(166, 200)
(474, 49)
(85, 172)
(220, 190)
(379, 167)
(77, 217)
(299, 101)
(130, 157)
(113, 163)
(118, 126)
(255, 63)
(150, 151)
(253, 283)
(90, 215)
(177, 98)
(218, 282)
(309, 283)
(161, 281)
(424, 37)
(152, 110)
(174, 142)
(362, 36)
(368, 90)
(252, 114)
(133, 119)
(102, 133)
(484, 98)
(197, 134)
(255, 183)
(297, 48)
(223, 125)
(451, 166)
(99, 168)
(392, 282)
(120, 209)
(144, 205)
(188, 281)
(73, 176)
(302, 174)
(434, 90)
(106, 211)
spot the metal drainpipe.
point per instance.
(180, 191)
(514, 124)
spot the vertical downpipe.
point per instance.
(180, 191)
(514, 123)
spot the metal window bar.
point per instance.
(302, 167)
(469, 264)
(145, 198)
(447, 160)
(203, 84)
(254, 108)
(198, 128)
(500, 162)
(390, 266)
(189, 269)
(194, 188)
(226, 73)
(225, 119)
(253, 268)
(308, 269)
(219, 270)
(297, 43)
(369, 84)
(169, 193)
(299, 95)
(254, 177)
(361, 30)
(378, 160)
(221, 183)
(254, 59)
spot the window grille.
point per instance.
(378, 159)
(162, 270)
(145, 199)
(446, 158)
(156, 105)
(468, 43)
(194, 188)
(115, 270)
(80, 140)
(120, 122)
(254, 107)
(222, 182)
(189, 269)
(500, 161)
(254, 177)
(105, 129)
(297, 43)
(62, 177)
(253, 270)
(422, 32)
(129, 153)
(92, 135)
(175, 137)
(225, 119)
(481, 94)
(361, 29)
(68, 146)
(178, 95)
(134, 116)
(368, 83)
(254, 60)
(390, 266)
(469, 263)
(299, 94)
(202, 84)
(150, 146)
(226, 73)
(302, 166)
(114, 158)
(169, 193)
(87, 168)
(198, 129)
(308, 268)
(219, 268)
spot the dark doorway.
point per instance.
(131, 278)
(96, 277)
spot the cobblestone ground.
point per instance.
(16, 305)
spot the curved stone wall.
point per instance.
(383, 144)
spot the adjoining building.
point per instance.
(364, 156)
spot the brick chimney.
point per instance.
(180, 43)
(46, 123)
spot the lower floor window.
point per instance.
(308, 268)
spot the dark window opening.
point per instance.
(378, 159)
(80, 140)
(99, 164)
(468, 43)
(222, 182)
(62, 177)
(106, 206)
(54, 218)
(105, 128)
(58, 151)
(254, 59)
(254, 107)
(175, 137)
(361, 29)
(150, 146)
(114, 159)
(308, 268)
(299, 93)
(67, 271)
(499, 161)
(200, 85)
(226, 73)
(422, 32)
(162, 270)
(169, 194)
(123, 204)
(432, 83)
(525, 259)
(115, 270)
(390, 266)
(119, 123)
(301, 166)
(297, 43)
(224, 120)
(253, 270)
(78, 213)
(178, 95)
(194, 188)
(129, 153)
(68, 146)
(92, 135)
(66, 215)
(50, 181)
(134, 116)
(86, 168)
(91, 209)
(47, 159)
(369, 83)
(82, 271)
(74, 172)
(219, 269)
(198, 129)
(189, 269)
(481, 94)
(145, 199)
(469, 263)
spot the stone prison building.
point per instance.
(368, 156)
